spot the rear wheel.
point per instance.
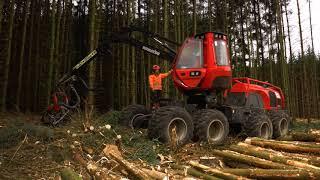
(259, 125)
(211, 126)
(280, 123)
(171, 124)
(132, 116)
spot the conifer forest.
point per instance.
(113, 127)
(42, 39)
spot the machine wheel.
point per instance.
(171, 124)
(211, 126)
(259, 125)
(130, 116)
(280, 123)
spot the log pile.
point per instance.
(265, 159)
(272, 159)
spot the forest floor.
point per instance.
(29, 150)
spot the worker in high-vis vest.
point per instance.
(155, 82)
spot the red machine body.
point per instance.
(272, 96)
(57, 98)
(203, 64)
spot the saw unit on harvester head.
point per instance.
(202, 72)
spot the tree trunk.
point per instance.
(281, 146)
(52, 50)
(28, 84)
(271, 173)
(56, 61)
(36, 71)
(3, 98)
(311, 30)
(133, 63)
(292, 82)
(194, 16)
(215, 172)
(166, 34)
(284, 72)
(210, 14)
(1, 13)
(300, 29)
(250, 160)
(21, 61)
(260, 35)
(92, 65)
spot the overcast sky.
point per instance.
(293, 18)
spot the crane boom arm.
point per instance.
(125, 35)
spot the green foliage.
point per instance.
(10, 137)
(141, 147)
(111, 118)
(135, 142)
(59, 154)
(15, 132)
(68, 174)
(303, 126)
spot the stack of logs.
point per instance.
(264, 159)
(296, 157)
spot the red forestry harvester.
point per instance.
(215, 100)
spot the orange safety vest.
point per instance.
(155, 81)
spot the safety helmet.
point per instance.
(156, 67)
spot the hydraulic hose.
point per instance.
(77, 99)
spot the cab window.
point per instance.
(254, 100)
(220, 49)
(273, 99)
(191, 55)
(236, 99)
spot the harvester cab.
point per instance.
(202, 64)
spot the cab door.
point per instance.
(189, 64)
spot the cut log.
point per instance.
(138, 173)
(289, 156)
(295, 142)
(251, 160)
(255, 151)
(215, 172)
(271, 173)
(282, 146)
(193, 172)
(300, 136)
(112, 152)
(155, 174)
(313, 160)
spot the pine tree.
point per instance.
(4, 87)
(92, 65)
(21, 58)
